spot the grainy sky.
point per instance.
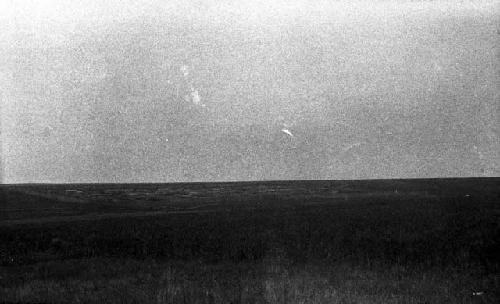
(162, 91)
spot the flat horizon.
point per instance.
(271, 181)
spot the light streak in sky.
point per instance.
(286, 131)
(185, 70)
(193, 95)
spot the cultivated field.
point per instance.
(384, 241)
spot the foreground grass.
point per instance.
(272, 280)
(301, 246)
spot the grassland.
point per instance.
(400, 241)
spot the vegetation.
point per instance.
(367, 246)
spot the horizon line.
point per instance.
(252, 181)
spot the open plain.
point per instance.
(379, 241)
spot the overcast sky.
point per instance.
(159, 91)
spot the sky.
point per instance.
(164, 91)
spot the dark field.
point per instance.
(383, 241)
